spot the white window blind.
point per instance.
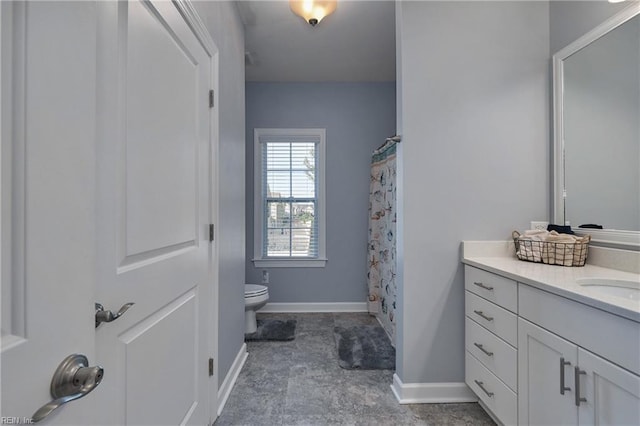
(289, 208)
(289, 199)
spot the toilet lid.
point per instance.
(254, 290)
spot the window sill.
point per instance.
(289, 263)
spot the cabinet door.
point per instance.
(540, 377)
(612, 394)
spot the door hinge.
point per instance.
(211, 98)
(212, 232)
(210, 367)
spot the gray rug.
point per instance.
(272, 329)
(364, 347)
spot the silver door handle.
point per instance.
(562, 386)
(482, 285)
(578, 373)
(481, 386)
(108, 316)
(481, 347)
(483, 315)
(72, 380)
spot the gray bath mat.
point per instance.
(273, 329)
(364, 347)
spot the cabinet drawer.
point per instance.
(503, 323)
(497, 289)
(501, 400)
(493, 353)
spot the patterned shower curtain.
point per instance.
(381, 276)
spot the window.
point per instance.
(289, 198)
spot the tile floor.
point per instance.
(300, 383)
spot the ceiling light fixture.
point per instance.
(615, 1)
(313, 11)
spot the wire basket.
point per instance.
(552, 253)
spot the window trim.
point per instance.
(258, 238)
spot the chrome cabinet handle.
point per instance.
(481, 285)
(562, 386)
(481, 386)
(481, 314)
(108, 316)
(486, 352)
(577, 383)
(72, 380)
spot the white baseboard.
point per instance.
(314, 307)
(431, 393)
(232, 376)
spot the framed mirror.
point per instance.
(597, 132)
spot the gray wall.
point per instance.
(465, 155)
(473, 85)
(223, 22)
(357, 117)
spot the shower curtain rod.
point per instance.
(395, 138)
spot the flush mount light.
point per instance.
(615, 1)
(313, 11)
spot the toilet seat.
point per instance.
(253, 290)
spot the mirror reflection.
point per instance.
(601, 131)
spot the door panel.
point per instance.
(166, 338)
(539, 399)
(48, 200)
(154, 197)
(612, 394)
(161, 152)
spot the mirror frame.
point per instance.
(605, 237)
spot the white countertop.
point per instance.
(560, 280)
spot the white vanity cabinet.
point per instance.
(491, 306)
(537, 358)
(561, 383)
(560, 378)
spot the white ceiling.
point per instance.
(354, 44)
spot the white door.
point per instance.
(545, 362)
(612, 395)
(48, 180)
(154, 210)
(106, 197)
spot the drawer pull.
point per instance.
(481, 285)
(562, 386)
(481, 386)
(481, 314)
(577, 375)
(486, 352)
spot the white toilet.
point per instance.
(255, 297)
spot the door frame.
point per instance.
(199, 29)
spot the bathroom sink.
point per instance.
(625, 289)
